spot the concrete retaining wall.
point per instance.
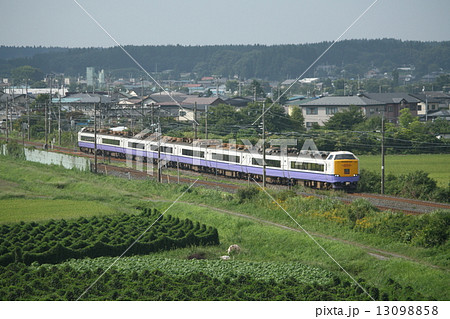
(49, 158)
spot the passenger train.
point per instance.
(338, 170)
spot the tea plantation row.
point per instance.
(56, 241)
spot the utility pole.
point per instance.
(264, 145)
(50, 108)
(159, 148)
(95, 138)
(12, 108)
(142, 101)
(7, 140)
(28, 111)
(59, 118)
(151, 115)
(45, 125)
(382, 154)
(206, 122)
(195, 120)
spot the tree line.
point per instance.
(276, 62)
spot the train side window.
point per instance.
(110, 141)
(87, 138)
(308, 166)
(226, 158)
(269, 162)
(140, 146)
(189, 152)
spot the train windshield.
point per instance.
(344, 156)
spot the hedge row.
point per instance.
(57, 241)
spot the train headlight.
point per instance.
(355, 175)
(337, 175)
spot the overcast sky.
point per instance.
(210, 22)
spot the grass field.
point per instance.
(53, 192)
(437, 165)
(28, 210)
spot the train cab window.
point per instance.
(344, 156)
(87, 138)
(110, 141)
(269, 162)
(193, 153)
(139, 146)
(330, 157)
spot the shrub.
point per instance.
(15, 150)
(246, 194)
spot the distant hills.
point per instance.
(348, 58)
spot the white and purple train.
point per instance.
(331, 170)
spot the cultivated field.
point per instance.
(392, 256)
(437, 165)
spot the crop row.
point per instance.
(21, 282)
(56, 241)
(219, 269)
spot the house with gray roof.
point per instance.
(394, 102)
(319, 111)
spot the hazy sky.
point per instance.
(204, 22)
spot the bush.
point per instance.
(246, 194)
(370, 182)
(417, 185)
(15, 150)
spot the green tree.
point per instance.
(255, 89)
(25, 73)
(346, 119)
(406, 118)
(297, 118)
(223, 119)
(232, 86)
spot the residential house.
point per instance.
(319, 111)
(238, 101)
(430, 102)
(394, 102)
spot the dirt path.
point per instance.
(374, 252)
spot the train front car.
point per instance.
(344, 166)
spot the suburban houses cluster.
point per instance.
(187, 100)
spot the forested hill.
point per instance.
(8, 52)
(247, 61)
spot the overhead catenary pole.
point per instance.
(194, 123)
(159, 147)
(12, 108)
(59, 119)
(28, 111)
(7, 128)
(206, 121)
(95, 137)
(45, 125)
(264, 144)
(50, 108)
(151, 115)
(382, 153)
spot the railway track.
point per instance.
(383, 202)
